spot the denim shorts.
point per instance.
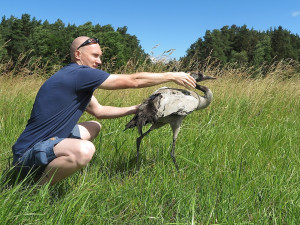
(36, 158)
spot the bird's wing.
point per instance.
(176, 102)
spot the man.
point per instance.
(52, 143)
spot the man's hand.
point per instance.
(184, 79)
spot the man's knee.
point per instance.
(84, 153)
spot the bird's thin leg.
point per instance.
(138, 143)
(172, 154)
(176, 128)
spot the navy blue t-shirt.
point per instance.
(59, 103)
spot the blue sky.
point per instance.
(171, 24)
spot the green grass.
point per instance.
(239, 162)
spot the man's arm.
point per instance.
(145, 79)
(108, 112)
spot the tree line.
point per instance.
(50, 44)
(242, 45)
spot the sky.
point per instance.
(162, 25)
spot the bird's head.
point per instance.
(200, 77)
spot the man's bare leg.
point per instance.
(72, 154)
(89, 130)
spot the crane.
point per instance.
(170, 106)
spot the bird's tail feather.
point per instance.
(131, 123)
(146, 113)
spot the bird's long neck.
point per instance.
(205, 100)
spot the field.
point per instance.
(239, 161)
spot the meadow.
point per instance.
(239, 160)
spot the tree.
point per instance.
(3, 51)
(112, 47)
(239, 57)
(263, 50)
(86, 29)
(282, 46)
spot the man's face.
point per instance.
(90, 55)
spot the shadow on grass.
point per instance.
(123, 166)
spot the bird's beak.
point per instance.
(204, 77)
(207, 78)
(200, 76)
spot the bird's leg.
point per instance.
(172, 154)
(138, 143)
(176, 128)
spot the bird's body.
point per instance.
(175, 101)
(169, 106)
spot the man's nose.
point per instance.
(99, 61)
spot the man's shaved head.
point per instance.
(75, 44)
(88, 54)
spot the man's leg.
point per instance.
(89, 130)
(72, 154)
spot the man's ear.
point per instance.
(77, 55)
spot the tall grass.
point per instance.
(239, 159)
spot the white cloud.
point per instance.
(296, 13)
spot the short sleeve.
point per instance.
(88, 79)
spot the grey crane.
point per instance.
(169, 106)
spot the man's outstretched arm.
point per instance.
(145, 79)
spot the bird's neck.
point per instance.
(205, 100)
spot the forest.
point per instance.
(27, 40)
(243, 45)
